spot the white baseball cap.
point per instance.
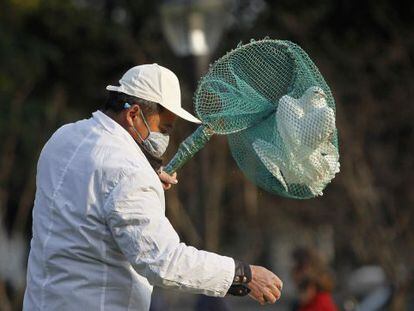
(154, 83)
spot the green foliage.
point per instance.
(56, 57)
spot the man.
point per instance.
(100, 236)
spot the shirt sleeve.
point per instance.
(141, 230)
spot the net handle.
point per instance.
(188, 148)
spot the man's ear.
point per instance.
(131, 114)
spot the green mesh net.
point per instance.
(278, 113)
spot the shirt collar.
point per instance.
(116, 129)
(113, 127)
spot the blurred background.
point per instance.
(56, 58)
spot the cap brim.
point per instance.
(121, 89)
(184, 115)
(112, 88)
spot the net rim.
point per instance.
(221, 60)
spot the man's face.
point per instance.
(131, 119)
(161, 122)
(140, 126)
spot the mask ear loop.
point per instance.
(145, 121)
(127, 106)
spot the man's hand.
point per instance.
(265, 286)
(167, 180)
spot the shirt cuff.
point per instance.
(227, 270)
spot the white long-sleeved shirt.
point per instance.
(100, 235)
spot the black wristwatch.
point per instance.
(242, 276)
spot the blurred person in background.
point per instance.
(101, 239)
(313, 280)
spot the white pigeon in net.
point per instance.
(306, 126)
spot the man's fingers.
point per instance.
(278, 283)
(275, 291)
(171, 179)
(260, 299)
(269, 297)
(167, 179)
(265, 286)
(265, 296)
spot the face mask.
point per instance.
(156, 143)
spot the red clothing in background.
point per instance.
(322, 302)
